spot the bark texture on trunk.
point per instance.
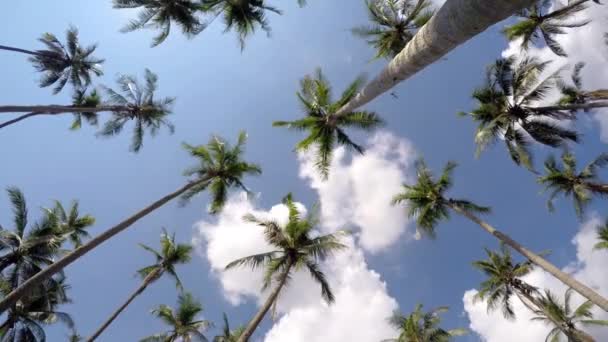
(147, 281)
(74, 255)
(59, 109)
(565, 278)
(17, 119)
(456, 22)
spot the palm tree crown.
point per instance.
(325, 129)
(148, 112)
(227, 334)
(580, 185)
(421, 326)
(170, 254)
(575, 94)
(183, 322)
(80, 98)
(602, 236)
(159, 14)
(394, 24)
(72, 224)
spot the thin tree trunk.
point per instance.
(456, 22)
(565, 278)
(253, 324)
(69, 258)
(147, 281)
(9, 48)
(17, 119)
(58, 109)
(596, 187)
(576, 106)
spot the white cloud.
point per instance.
(589, 268)
(359, 190)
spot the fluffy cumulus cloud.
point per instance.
(360, 187)
(589, 268)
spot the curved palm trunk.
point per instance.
(59, 109)
(456, 22)
(69, 258)
(147, 281)
(253, 324)
(577, 106)
(17, 119)
(9, 48)
(565, 278)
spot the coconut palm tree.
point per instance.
(170, 255)
(159, 14)
(61, 63)
(536, 22)
(575, 96)
(244, 16)
(507, 109)
(602, 236)
(564, 319)
(567, 181)
(394, 23)
(420, 326)
(229, 335)
(294, 248)
(427, 202)
(183, 322)
(325, 129)
(220, 167)
(72, 224)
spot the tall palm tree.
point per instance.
(564, 319)
(72, 224)
(537, 22)
(229, 335)
(421, 326)
(325, 129)
(394, 23)
(294, 248)
(220, 167)
(567, 181)
(575, 96)
(170, 255)
(244, 16)
(61, 63)
(507, 109)
(183, 322)
(602, 236)
(159, 14)
(429, 204)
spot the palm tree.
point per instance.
(565, 179)
(507, 109)
(536, 23)
(219, 168)
(602, 236)
(227, 334)
(394, 24)
(576, 97)
(325, 128)
(421, 326)
(72, 224)
(564, 319)
(294, 248)
(427, 202)
(244, 16)
(183, 323)
(61, 63)
(159, 14)
(170, 255)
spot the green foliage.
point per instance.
(71, 224)
(421, 326)
(325, 129)
(81, 99)
(602, 236)
(227, 334)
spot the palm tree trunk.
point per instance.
(69, 258)
(456, 22)
(565, 278)
(564, 9)
(9, 48)
(596, 187)
(253, 324)
(58, 109)
(599, 94)
(147, 281)
(17, 119)
(576, 106)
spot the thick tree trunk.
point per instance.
(9, 48)
(456, 22)
(577, 106)
(58, 109)
(69, 258)
(17, 119)
(147, 281)
(537, 260)
(253, 324)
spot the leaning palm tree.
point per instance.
(159, 14)
(244, 16)
(228, 335)
(566, 320)
(183, 322)
(429, 204)
(602, 236)
(574, 96)
(325, 129)
(170, 255)
(394, 24)
(537, 22)
(567, 181)
(421, 326)
(507, 109)
(219, 168)
(294, 248)
(61, 63)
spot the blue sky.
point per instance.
(221, 90)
